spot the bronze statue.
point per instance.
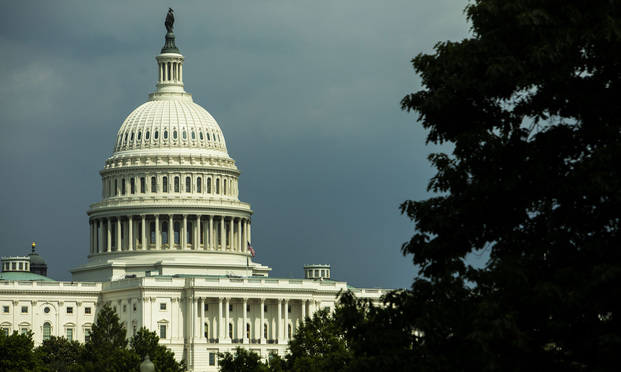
(170, 20)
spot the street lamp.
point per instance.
(147, 365)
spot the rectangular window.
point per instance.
(124, 308)
(87, 335)
(134, 307)
(69, 334)
(199, 183)
(164, 184)
(162, 306)
(24, 309)
(247, 308)
(153, 184)
(176, 184)
(206, 307)
(212, 359)
(289, 308)
(162, 330)
(21, 266)
(5, 309)
(5, 330)
(188, 184)
(87, 310)
(24, 331)
(230, 307)
(69, 310)
(142, 185)
(265, 308)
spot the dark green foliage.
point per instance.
(107, 348)
(147, 342)
(242, 361)
(531, 104)
(16, 352)
(318, 345)
(60, 354)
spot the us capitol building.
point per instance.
(170, 245)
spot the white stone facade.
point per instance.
(170, 246)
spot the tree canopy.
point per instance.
(530, 103)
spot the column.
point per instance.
(184, 232)
(171, 234)
(245, 311)
(118, 234)
(143, 235)
(220, 318)
(286, 327)
(158, 237)
(196, 234)
(222, 237)
(210, 233)
(239, 235)
(226, 323)
(100, 236)
(201, 311)
(109, 236)
(279, 321)
(130, 234)
(262, 325)
(231, 234)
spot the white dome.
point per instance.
(171, 123)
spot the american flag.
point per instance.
(250, 249)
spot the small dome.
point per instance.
(170, 124)
(24, 276)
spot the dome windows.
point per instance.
(156, 134)
(193, 135)
(131, 138)
(200, 134)
(139, 135)
(174, 134)
(146, 135)
(165, 134)
(185, 135)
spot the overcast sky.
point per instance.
(307, 94)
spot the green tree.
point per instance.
(60, 354)
(147, 342)
(530, 103)
(107, 348)
(318, 345)
(242, 361)
(16, 352)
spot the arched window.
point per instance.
(139, 135)
(184, 134)
(153, 184)
(143, 185)
(230, 330)
(132, 185)
(265, 331)
(199, 183)
(116, 187)
(217, 185)
(188, 184)
(47, 331)
(193, 135)
(177, 229)
(152, 232)
(224, 187)
(174, 134)
(206, 330)
(156, 134)
(188, 232)
(165, 134)
(208, 185)
(164, 232)
(164, 184)
(208, 138)
(176, 184)
(123, 190)
(146, 135)
(200, 134)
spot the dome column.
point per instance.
(231, 234)
(222, 236)
(118, 234)
(130, 235)
(196, 233)
(158, 237)
(209, 238)
(108, 235)
(184, 232)
(171, 235)
(143, 235)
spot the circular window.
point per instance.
(46, 310)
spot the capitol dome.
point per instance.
(170, 194)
